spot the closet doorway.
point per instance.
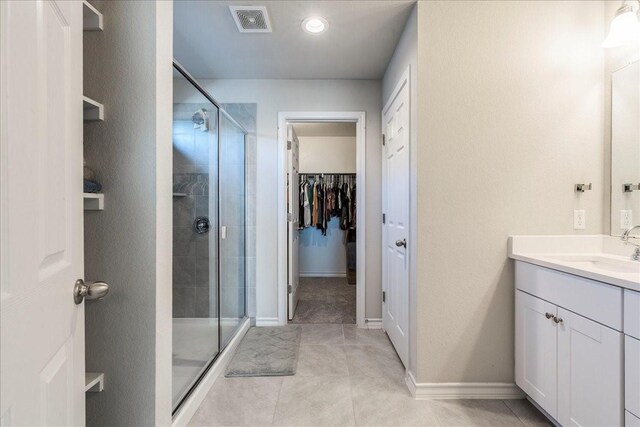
(321, 239)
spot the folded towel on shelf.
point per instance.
(92, 186)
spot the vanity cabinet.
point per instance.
(569, 360)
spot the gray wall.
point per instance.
(271, 97)
(128, 336)
(511, 117)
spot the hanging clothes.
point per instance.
(325, 197)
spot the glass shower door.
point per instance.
(232, 227)
(195, 236)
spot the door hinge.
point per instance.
(384, 140)
(384, 218)
(288, 145)
(289, 289)
(384, 296)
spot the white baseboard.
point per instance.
(189, 408)
(267, 321)
(323, 274)
(373, 323)
(462, 390)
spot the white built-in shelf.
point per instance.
(92, 110)
(93, 201)
(93, 382)
(91, 18)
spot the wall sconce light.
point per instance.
(625, 26)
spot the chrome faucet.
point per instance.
(625, 238)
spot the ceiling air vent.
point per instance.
(251, 19)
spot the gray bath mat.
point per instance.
(266, 352)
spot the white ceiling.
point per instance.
(358, 43)
(325, 129)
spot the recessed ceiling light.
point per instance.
(315, 24)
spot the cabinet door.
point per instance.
(536, 350)
(590, 373)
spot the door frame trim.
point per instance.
(359, 118)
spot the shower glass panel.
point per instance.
(232, 227)
(209, 273)
(195, 240)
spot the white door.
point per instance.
(395, 199)
(293, 214)
(536, 350)
(41, 214)
(590, 372)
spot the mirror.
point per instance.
(625, 148)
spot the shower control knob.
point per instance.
(202, 225)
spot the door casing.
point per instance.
(359, 118)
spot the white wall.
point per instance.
(406, 57)
(328, 154)
(511, 117)
(128, 334)
(273, 96)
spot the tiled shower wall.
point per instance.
(246, 115)
(192, 255)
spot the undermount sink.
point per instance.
(599, 262)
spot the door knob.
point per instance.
(402, 242)
(91, 291)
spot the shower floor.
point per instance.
(195, 343)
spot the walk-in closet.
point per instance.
(322, 215)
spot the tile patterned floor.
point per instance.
(326, 300)
(348, 376)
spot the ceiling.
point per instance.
(325, 129)
(358, 44)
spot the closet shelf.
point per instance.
(93, 201)
(93, 382)
(92, 110)
(91, 18)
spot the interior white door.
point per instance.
(590, 372)
(395, 230)
(537, 350)
(293, 215)
(41, 214)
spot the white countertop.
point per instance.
(561, 253)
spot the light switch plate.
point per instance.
(579, 219)
(626, 219)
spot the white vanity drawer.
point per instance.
(595, 300)
(632, 375)
(631, 420)
(632, 313)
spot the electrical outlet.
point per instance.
(579, 219)
(626, 219)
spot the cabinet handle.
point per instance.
(549, 315)
(558, 319)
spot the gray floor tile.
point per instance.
(358, 336)
(385, 402)
(528, 413)
(322, 360)
(314, 401)
(239, 402)
(322, 334)
(372, 361)
(458, 413)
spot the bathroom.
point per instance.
(497, 151)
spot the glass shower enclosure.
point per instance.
(209, 217)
